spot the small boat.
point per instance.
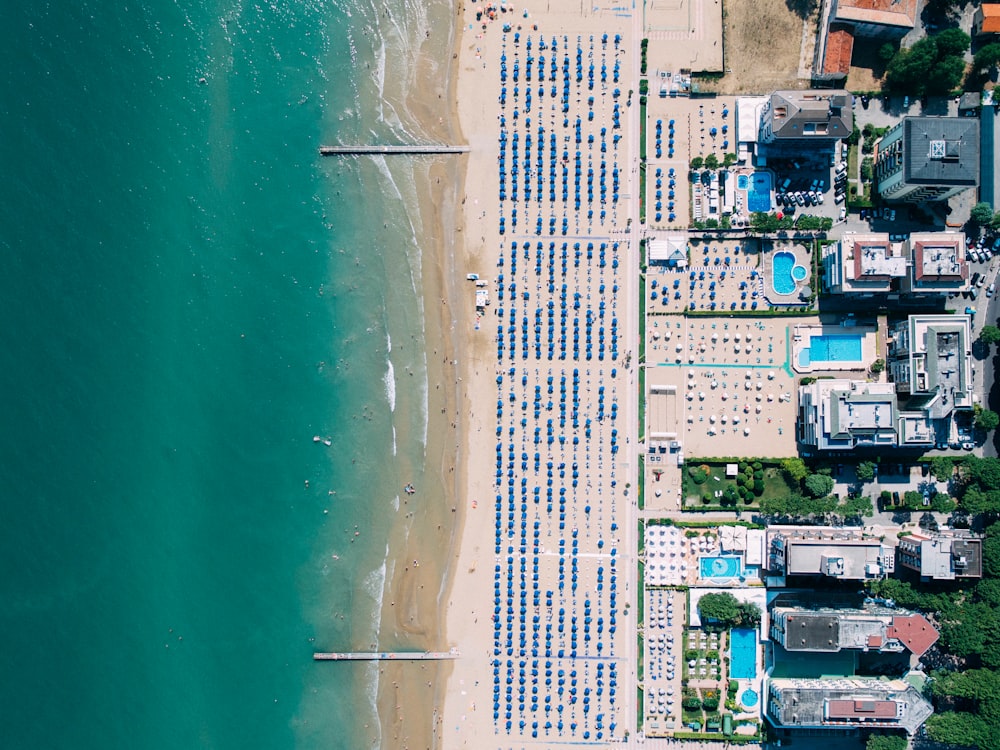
(316, 438)
(327, 441)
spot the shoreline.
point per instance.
(414, 590)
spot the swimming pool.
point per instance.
(749, 698)
(759, 192)
(721, 567)
(833, 347)
(742, 181)
(743, 654)
(785, 272)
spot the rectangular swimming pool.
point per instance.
(743, 654)
(759, 193)
(836, 347)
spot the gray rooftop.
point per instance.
(846, 702)
(811, 114)
(941, 150)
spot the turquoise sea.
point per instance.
(190, 295)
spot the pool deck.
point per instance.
(803, 258)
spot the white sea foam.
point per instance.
(394, 441)
(395, 503)
(390, 384)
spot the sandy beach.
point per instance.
(410, 693)
(539, 593)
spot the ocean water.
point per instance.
(190, 295)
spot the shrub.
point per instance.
(733, 687)
(692, 703)
(818, 485)
(710, 704)
(698, 474)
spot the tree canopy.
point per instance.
(795, 468)
(990, 334)
(987, 420)
(942, 467)
(723, 609)
(981, 213)
(933, 65)
(865, 471)
(885, 742)
(987, 56)
(818, 485)
(960, 728)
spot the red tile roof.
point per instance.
(915, 632)
(900, 13)
(861, 709)
(991, 18)
(839, 48)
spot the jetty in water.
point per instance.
(411, 150)
(385, 655)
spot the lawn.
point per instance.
(699, 495)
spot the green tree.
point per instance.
(865, 471)
(908, 69)
(886, 52)
(986, 57)
(942, 503)
(942, 467)
(985, 472)
(878, 366)
(945, 75)
(722, 608)
(856, 507)
(818, 485)
(987, 420)
(697, 162)
(977, 500)
(991, 552)
(981, 213)
(711, 161)
(952, 42)
(913, 500)
(990, 334)
(885, 742)
(749, 614)
(729, 159)
(959, 728)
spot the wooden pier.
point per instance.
(411, 150)
(385, 655)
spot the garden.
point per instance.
(707, 486)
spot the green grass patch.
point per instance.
(642, 319)
(642, 403)
(770, 476)
(642, 490)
